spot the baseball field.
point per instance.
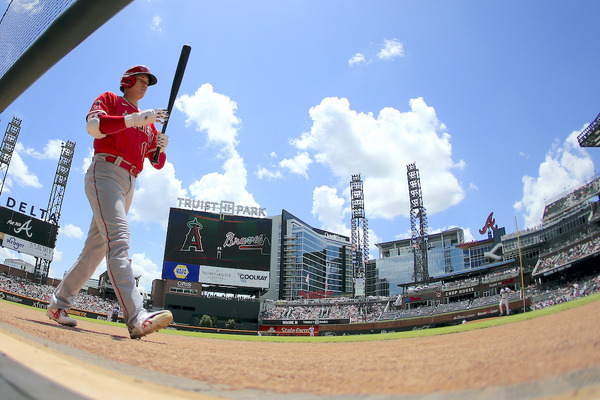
(551, 353)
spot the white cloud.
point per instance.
(328, 208)
(229, 185)
(158, 190)
(297, 165)
(391, 49)
(380, 148)
(212, 113)
(156, 24)
(262, 173)
(71, 231)
(357, 59)
(52, 150)
(19, 171)
(565, 167)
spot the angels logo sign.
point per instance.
(193, 239)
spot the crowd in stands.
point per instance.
(563, 294)
(454, 284)
(26, 288)
(382, 308)
(573, 198)
(355, 312)
(568, 255)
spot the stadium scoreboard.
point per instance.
(217, 249)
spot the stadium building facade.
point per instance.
(447, 254)
(395, 264)
(310, 262)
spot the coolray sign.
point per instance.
(237, 277)
(222, 207)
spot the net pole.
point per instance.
(521, 261)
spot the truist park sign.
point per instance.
(222, 207)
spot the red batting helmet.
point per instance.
(128, 78)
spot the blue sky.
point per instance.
(283, 101)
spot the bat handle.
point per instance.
(156, 155)
(158, 148)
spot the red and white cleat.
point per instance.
(60, 315)
(150, 323)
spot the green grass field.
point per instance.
(484, 323)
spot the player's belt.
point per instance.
(119, 161)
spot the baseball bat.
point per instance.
(183, 59)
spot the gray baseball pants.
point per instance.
(109, 189)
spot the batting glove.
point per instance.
(162, 141)
(146, 117)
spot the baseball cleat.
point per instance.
(60, 315)
(151, 322)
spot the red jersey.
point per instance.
(133, 144)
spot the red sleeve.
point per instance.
(111, 124)
(105, 108)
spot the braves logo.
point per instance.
(25, 227)
(490, 223)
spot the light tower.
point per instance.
(8, 146)
(418, 224)
(55, 202)
(360, 233)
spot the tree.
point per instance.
(206, 321)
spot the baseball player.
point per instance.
(124, 137)
(504, 300)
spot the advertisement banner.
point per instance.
(26, 247)
(234, 277)
(182, 272)
(290, 330)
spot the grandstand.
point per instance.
(590, 137)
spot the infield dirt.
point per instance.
(512, 354)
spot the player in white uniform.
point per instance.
(124, 137)
(504, 300)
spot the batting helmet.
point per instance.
(128, 78)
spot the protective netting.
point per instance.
(22, 23)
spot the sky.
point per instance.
(282, 102)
